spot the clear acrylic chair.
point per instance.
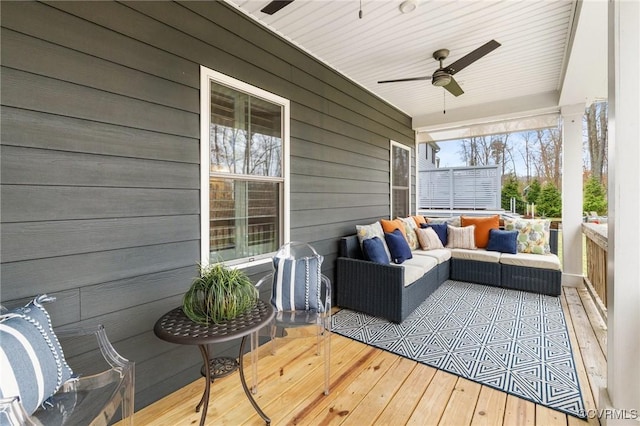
(92, 396)
(287, 318)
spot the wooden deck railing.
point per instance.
(596, 257)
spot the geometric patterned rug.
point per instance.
(510, 340)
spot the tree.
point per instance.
(548, 161)
(527, 138)
(511, 189)
(477, 151)
(534, 192)
(549, 201)
(597, 139)
(595, 199)
(500, 150)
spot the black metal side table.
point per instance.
(176, 327)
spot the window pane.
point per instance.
(245, 133)
(400, 167)
(244, 218)
(400, 180)
(400, 202)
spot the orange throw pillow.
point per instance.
(419, 220)
(392, 225)
(484, 225)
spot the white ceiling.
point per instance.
(550, 53)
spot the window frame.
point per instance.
(393, 144)
(206, 76)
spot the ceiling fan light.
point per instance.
(441, 79)
(408, 6)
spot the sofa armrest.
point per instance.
(369, 287)
(553, 240)
(350, 247)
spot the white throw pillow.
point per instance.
(461, 237)
(428, 238)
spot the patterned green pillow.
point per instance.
(410, 231)
(533, 234)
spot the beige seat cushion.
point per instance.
(425, 262)
(542, 261)
(478, 254)
(412, 273)
(416, 267)
(441, 255)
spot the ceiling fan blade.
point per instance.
(406, 79)
(275, 6)
(454, 88)
(470, 58)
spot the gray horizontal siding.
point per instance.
(27, 166)
(34, 92)
(30, 203)
(47, 23)
(86, 70)
(55, 132)
(62, 273)
(100, 161)
(24, 240)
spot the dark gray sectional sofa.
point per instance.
(380, 290)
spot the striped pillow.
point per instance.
(428, 238)
(463, 237)
(31, 358)
(297, 284)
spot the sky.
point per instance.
(449, 153)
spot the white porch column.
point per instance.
(621, 398)
(572, 116)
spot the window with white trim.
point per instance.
(244, 171)
(400, 180)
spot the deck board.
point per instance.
(372, 386)
(490, 408)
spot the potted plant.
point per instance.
(218, 294)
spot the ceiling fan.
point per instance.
(443, 76)
(274, 6)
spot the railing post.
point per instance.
(596, 245)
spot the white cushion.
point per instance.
(441, 255)
(427, 263)
(478, 254)
(542, 261)
(416, 267)
(412, 273)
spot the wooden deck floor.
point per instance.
(371, 386)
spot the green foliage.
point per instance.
(218, 294)
(511, 189)
(549, 201)
(534, 192)
(595, 198)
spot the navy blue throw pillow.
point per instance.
(398, 246)
(441, 230)
(373, 249)
(503, 241)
